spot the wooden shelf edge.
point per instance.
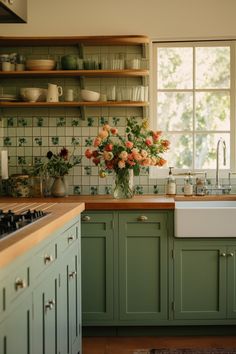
(91, 73)
(87, 40)
(74, 104)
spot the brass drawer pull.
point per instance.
(72, 274)
(86, 218)
(48, 259)
(223, 254)
(70, 238)
(230, 254)
(50, 304)
(142, 218)
(20, 284)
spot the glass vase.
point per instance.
(123, 184)
(58, 188)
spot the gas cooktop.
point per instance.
(11, 221)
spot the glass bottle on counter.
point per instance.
(170, 183)
(188, 185)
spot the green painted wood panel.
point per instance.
(17, 329)
(231, 279)
(97, 266)
(199, 280)
(143, 270)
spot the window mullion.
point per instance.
(194, 107)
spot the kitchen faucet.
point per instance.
(218, 186)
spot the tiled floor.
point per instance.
(127, 345)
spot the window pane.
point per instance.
(206, 151)
(174, 110)
(175, 68)
(212, 111)
(213, 67)
(180, 153)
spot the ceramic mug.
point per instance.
(54, 92)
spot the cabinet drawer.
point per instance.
(68, 238)
(44, 258)
(96, 224)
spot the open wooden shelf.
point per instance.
(73, 73)
(85, 40)
(74, 104)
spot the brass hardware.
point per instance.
(50, 304)
(20, 284)
(142, 218)
(223, 254)
(48, 259)
(72, 274)
(70, 238)
(230, 254)
(86, 218)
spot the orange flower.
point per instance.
(88, 153)
(97, 141)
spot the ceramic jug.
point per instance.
(54, 92)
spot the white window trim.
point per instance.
(163, 172)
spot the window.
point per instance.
(194, 102)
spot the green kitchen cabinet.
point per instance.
(16, 330)
(40, 309)
(97, 257)
(125, 266)
(204, 279)
(143, 265)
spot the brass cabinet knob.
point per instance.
(48, 259)
(72, 274)
(230, 254)
(223, 254)
(142, 218)
(86, 218)
(50, 304)
(20, 284)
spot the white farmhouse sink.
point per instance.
(205, 219)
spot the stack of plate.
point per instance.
(8, 98)
(40, 64)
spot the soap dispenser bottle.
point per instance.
(188, 185)
(171, 183)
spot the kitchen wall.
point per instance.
(29, 134)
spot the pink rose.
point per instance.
(121, 164)
(103, 134)
(129, 144)
(109, 147)
(106, 127)
(114, 131)
(88, 153)
(97, 141)
(148, 142)
(123, 155)
(156, 135)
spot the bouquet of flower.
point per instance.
(57, 165)
(139, 147)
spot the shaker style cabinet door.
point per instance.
(97, 266)
(143, 271)
(16, 329)
(199, 280)
(231, 280)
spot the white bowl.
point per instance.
(40, 64)
(92, 96)
(33, 94)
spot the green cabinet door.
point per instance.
(97, 266)
(231, 280)
(45, 319)
(199, 280)
(143, 271)
(16, 329)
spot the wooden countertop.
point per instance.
(27, 237)
(106, 202)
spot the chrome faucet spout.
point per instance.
(220, 141)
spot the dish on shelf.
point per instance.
(8, 98)
(40, 64)
(33, 94)
(90, 96)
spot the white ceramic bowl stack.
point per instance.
(40, 64)
(33, 94)
(90, 96)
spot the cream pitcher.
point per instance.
(54, 92)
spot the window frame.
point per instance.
(154, 173)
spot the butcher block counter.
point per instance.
(58, 214)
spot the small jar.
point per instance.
(200, 186)
(20, 185)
